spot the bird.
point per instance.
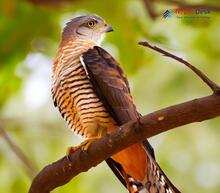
(92, 93)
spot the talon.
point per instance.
(68, 158)
(83, 146)
(69, 151)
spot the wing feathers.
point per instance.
(110, 82)
(112, 87)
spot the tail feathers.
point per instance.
(130, 183)
(156, 181)
(117, 170)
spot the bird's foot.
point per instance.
(83, 146)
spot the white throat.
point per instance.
(100, 39)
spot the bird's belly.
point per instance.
(85, 113)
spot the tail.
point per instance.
(156, 181)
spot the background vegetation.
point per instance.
(29, 37)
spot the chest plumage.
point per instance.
(74, 94)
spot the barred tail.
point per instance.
(156, 180)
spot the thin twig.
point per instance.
(29, 166)
(215, 88)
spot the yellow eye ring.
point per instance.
(91, 24)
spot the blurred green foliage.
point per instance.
(29, 37)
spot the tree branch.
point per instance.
(215, 88)
(29, 166)
(63, 170)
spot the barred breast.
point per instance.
(74, 94)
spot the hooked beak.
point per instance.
(109, 29)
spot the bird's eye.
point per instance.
(91, 24)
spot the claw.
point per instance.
(70, 150)
(84, 146)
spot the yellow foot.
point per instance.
(83, 146)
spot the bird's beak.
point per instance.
(109, 29)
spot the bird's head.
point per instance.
(88, 27)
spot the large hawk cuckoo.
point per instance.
(92, 93)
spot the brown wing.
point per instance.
(110, 84)
(112, 88)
